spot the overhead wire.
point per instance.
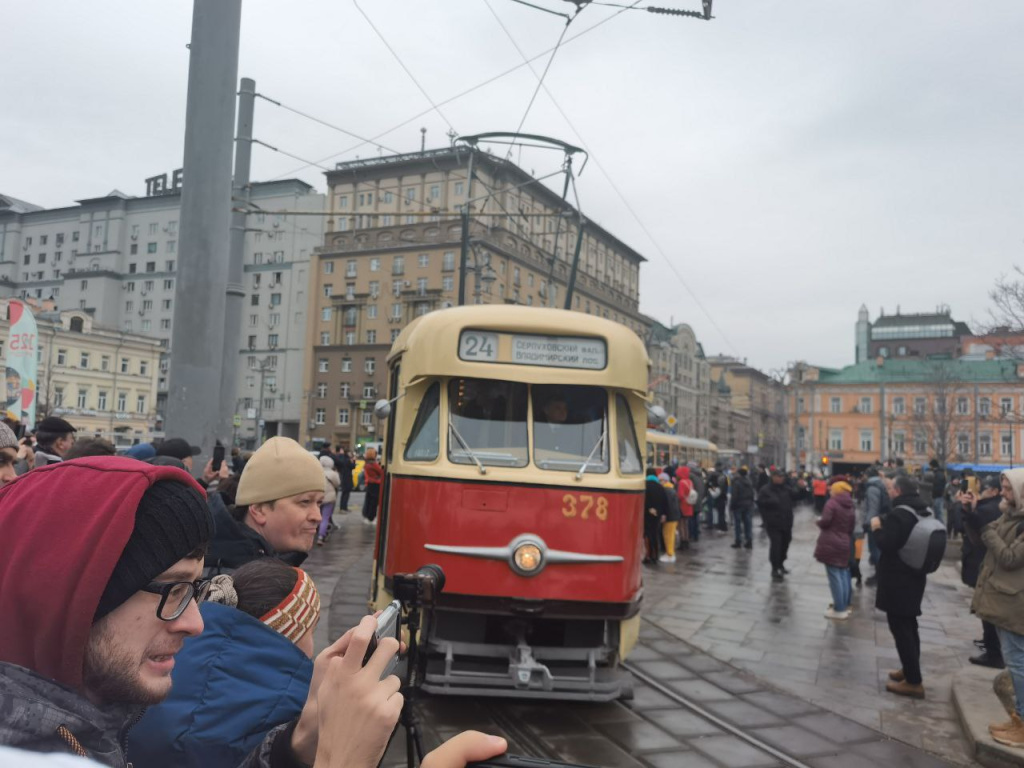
(611, 182)
(457, 96)
(323, 122)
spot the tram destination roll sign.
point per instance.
(523, 349)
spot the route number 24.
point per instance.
(583, 505)
(477, 345)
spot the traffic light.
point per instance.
(824, 461)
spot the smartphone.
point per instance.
(387, 626)
(218, 457)
(964, 485)
(518, 761)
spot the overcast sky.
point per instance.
(793, 160)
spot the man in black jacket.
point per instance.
(776, 504)
(938, 478)
(655, 509)
(977, 514)
(900, 587)
(742, 508)
(345, 465)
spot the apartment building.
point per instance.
(102, 380)
(115, 258)
(680, 378)
(758, 395)
(392, 253)
(953, 410)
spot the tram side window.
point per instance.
(629, 448)
(424, 439)
(487, 422)
(569, 427)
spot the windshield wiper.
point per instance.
(466, 448)
(583, 469)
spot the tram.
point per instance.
(664, 449)
(512, 461)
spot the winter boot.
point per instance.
(904, 688)
(1013, 737)
(1009, 725)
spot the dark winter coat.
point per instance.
(698, 485)
(654, 499)
(900, 588)
(232, 684)
(723, 486)
(973, 550)
(876, 499)
(938, 483)
(345, 467)
(742, 493)
(837, 523)
(675, 514)
(776, 505)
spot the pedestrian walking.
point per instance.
(997, 598)
(776, 504)
(374, 478)
(837, 522)
(742, 504)
(977, 514)
(901, 587)
(331, 485)
(276, 512)
(258, 633)
(345, 465)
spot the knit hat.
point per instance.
(7, 437)
(294, 616)
(172, 520)
(840, 487)
(280, 468)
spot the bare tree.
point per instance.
(938, 419)
(1007, 297)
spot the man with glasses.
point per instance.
(100, 563)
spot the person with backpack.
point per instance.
(903, 568)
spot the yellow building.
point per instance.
(102, 381)
(956, 411)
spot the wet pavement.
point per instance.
(752, 654)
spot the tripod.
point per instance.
(414, 673)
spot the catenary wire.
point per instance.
(615, 187)
(457, 96)
(323, 122)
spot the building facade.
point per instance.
(916, 410)
(101, 380)
(680, 378)
(919, 336)
(115, 258)
(763, 399)
(392, 252)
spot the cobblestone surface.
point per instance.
(759, 656)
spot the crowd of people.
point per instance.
(121, 573)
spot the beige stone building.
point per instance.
(762, 399)
(103, 381)
(392, 252)
(680, 378)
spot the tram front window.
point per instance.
(487, 423)
(569, 428)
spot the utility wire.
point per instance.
(614, 186)
(289, 154)
(325, 123)
(402, 64)
(459, 95)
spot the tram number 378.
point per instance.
(583, 505)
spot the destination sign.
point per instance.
(522, 349)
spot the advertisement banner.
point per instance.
(22, 364)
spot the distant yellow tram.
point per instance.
(664, 449)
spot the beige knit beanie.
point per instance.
(280, 468)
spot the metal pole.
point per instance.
(259, 406)
(235, 294)
(575, 264)
(197, 342)
(464, 253)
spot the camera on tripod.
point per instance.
(419, 589)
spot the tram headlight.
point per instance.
(528, 558)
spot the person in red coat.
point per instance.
(833, 548)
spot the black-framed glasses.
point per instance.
(175, 595)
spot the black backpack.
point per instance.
(926, 544)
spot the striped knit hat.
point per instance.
(294, 616)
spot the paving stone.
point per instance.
(779, 703)
(702, 664)
(664, 670)
(698, 690)
(897, 754)
(640, 736)
(684, 724)
(732, 682)
(645, 697)
(796, 741)
(743, 714)
(733, 752)
(836, 729)
(593, 750)
(678, 759)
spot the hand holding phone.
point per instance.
(387, 626)
(218, 457)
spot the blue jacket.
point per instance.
(232, 684)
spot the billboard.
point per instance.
(22, 364)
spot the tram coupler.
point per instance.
(527, 672)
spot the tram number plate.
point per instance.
(477, 346)
(584, 505)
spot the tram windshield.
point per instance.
(488, 422)
(570, 428)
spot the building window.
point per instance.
(865, 405)
(448, 283)
(146, 325)
(374, 289)
(350, 338)
(448, 261)
(835, 405)
(375, 264)
(984, 407)
(322, 365)
(898, 406)
(105, 363)
(252, 342)
(899, 440)
(325, 338)
(963, 445)
(346, 364)
(985, 445)
(920, 444)
(275, 299)
(140, 404)
(396, 311)
(83, 395)
(367, 391)
(901, 351)
(367, 418)
(62, 357)
(143, 367)
(328, 290)
(83, 361)
(165, 324)
(883, 351)
(867, 438)
(424, 260)
(351, 268)
(325, 314)
(835, 439)
(1006, 444)
(1005, 406)
(254, 300)
(272, 340)
(343, 417)
(398, 265)
(254, 320)
(919, 406)
(345, 390)
(962, 408)
(371, 336)
(371, 365)
(328, 267)
(421, 286)
(371, 311)
(101, 400)
(320, 417)
(58, 397)
(321, 390)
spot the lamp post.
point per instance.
(263, 369)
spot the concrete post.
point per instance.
(235, 295)
(197, 342)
